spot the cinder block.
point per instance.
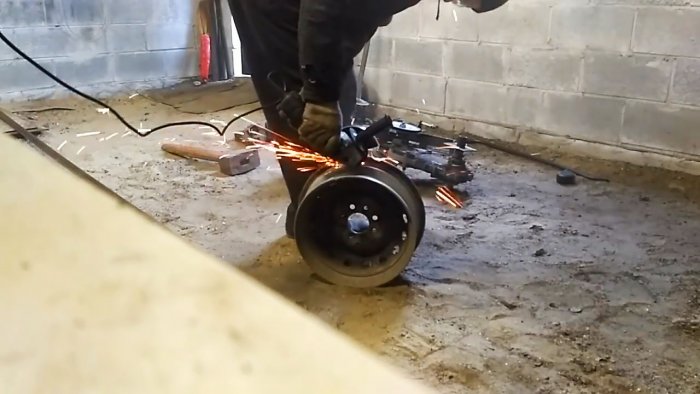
(18, 75)
(455, 23)
(129, 11)
(545, 69)
(491, 131)
(451, 125)
(5, 52)
(686, 82)
(36, 41)
(668, 31)
(551, 3)
(419, 56)
(381, 50)
(523, 106)
(404, 24)
(592, 27)
(475, 62)
(641, 2)
(180, 63)
(126, 38)
(477, 101)
(49, 42)
(75, 12)
(581, 117)
(139, 66)
(418, 91)
(662, 126)
(84, 41)
(21, 13)
(85, 72)
(636, 76)
(515, 24)
(169, 36)
(377, 85)
(40, 94)
(172, 11)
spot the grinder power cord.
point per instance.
(122, 120)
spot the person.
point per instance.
(309, 47)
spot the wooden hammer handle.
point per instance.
(194, 152)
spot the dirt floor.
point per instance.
(532, 287)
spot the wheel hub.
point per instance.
(359, 227)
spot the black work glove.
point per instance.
(321, 127)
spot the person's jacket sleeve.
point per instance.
(320, 48)
(323, 48)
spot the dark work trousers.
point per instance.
(268, 33)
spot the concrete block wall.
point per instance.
(619, 72)
(98, 45)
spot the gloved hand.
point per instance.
(321, 127)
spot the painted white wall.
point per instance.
(624, 73)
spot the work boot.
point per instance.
(289, 221)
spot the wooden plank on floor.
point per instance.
(95, 298)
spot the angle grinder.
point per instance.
(359, 224)
(355, 142)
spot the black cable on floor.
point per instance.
(112, 110)
(500, 147)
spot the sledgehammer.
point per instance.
(230, 162)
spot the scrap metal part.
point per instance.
(359, 226)
(440, 157)
(252, 134)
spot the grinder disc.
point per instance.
(359, 226)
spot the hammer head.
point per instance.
(238, 163)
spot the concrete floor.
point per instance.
(612, 306)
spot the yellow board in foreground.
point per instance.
(95, 298)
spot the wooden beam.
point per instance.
(95, 298)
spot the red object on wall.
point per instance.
(204, 57)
